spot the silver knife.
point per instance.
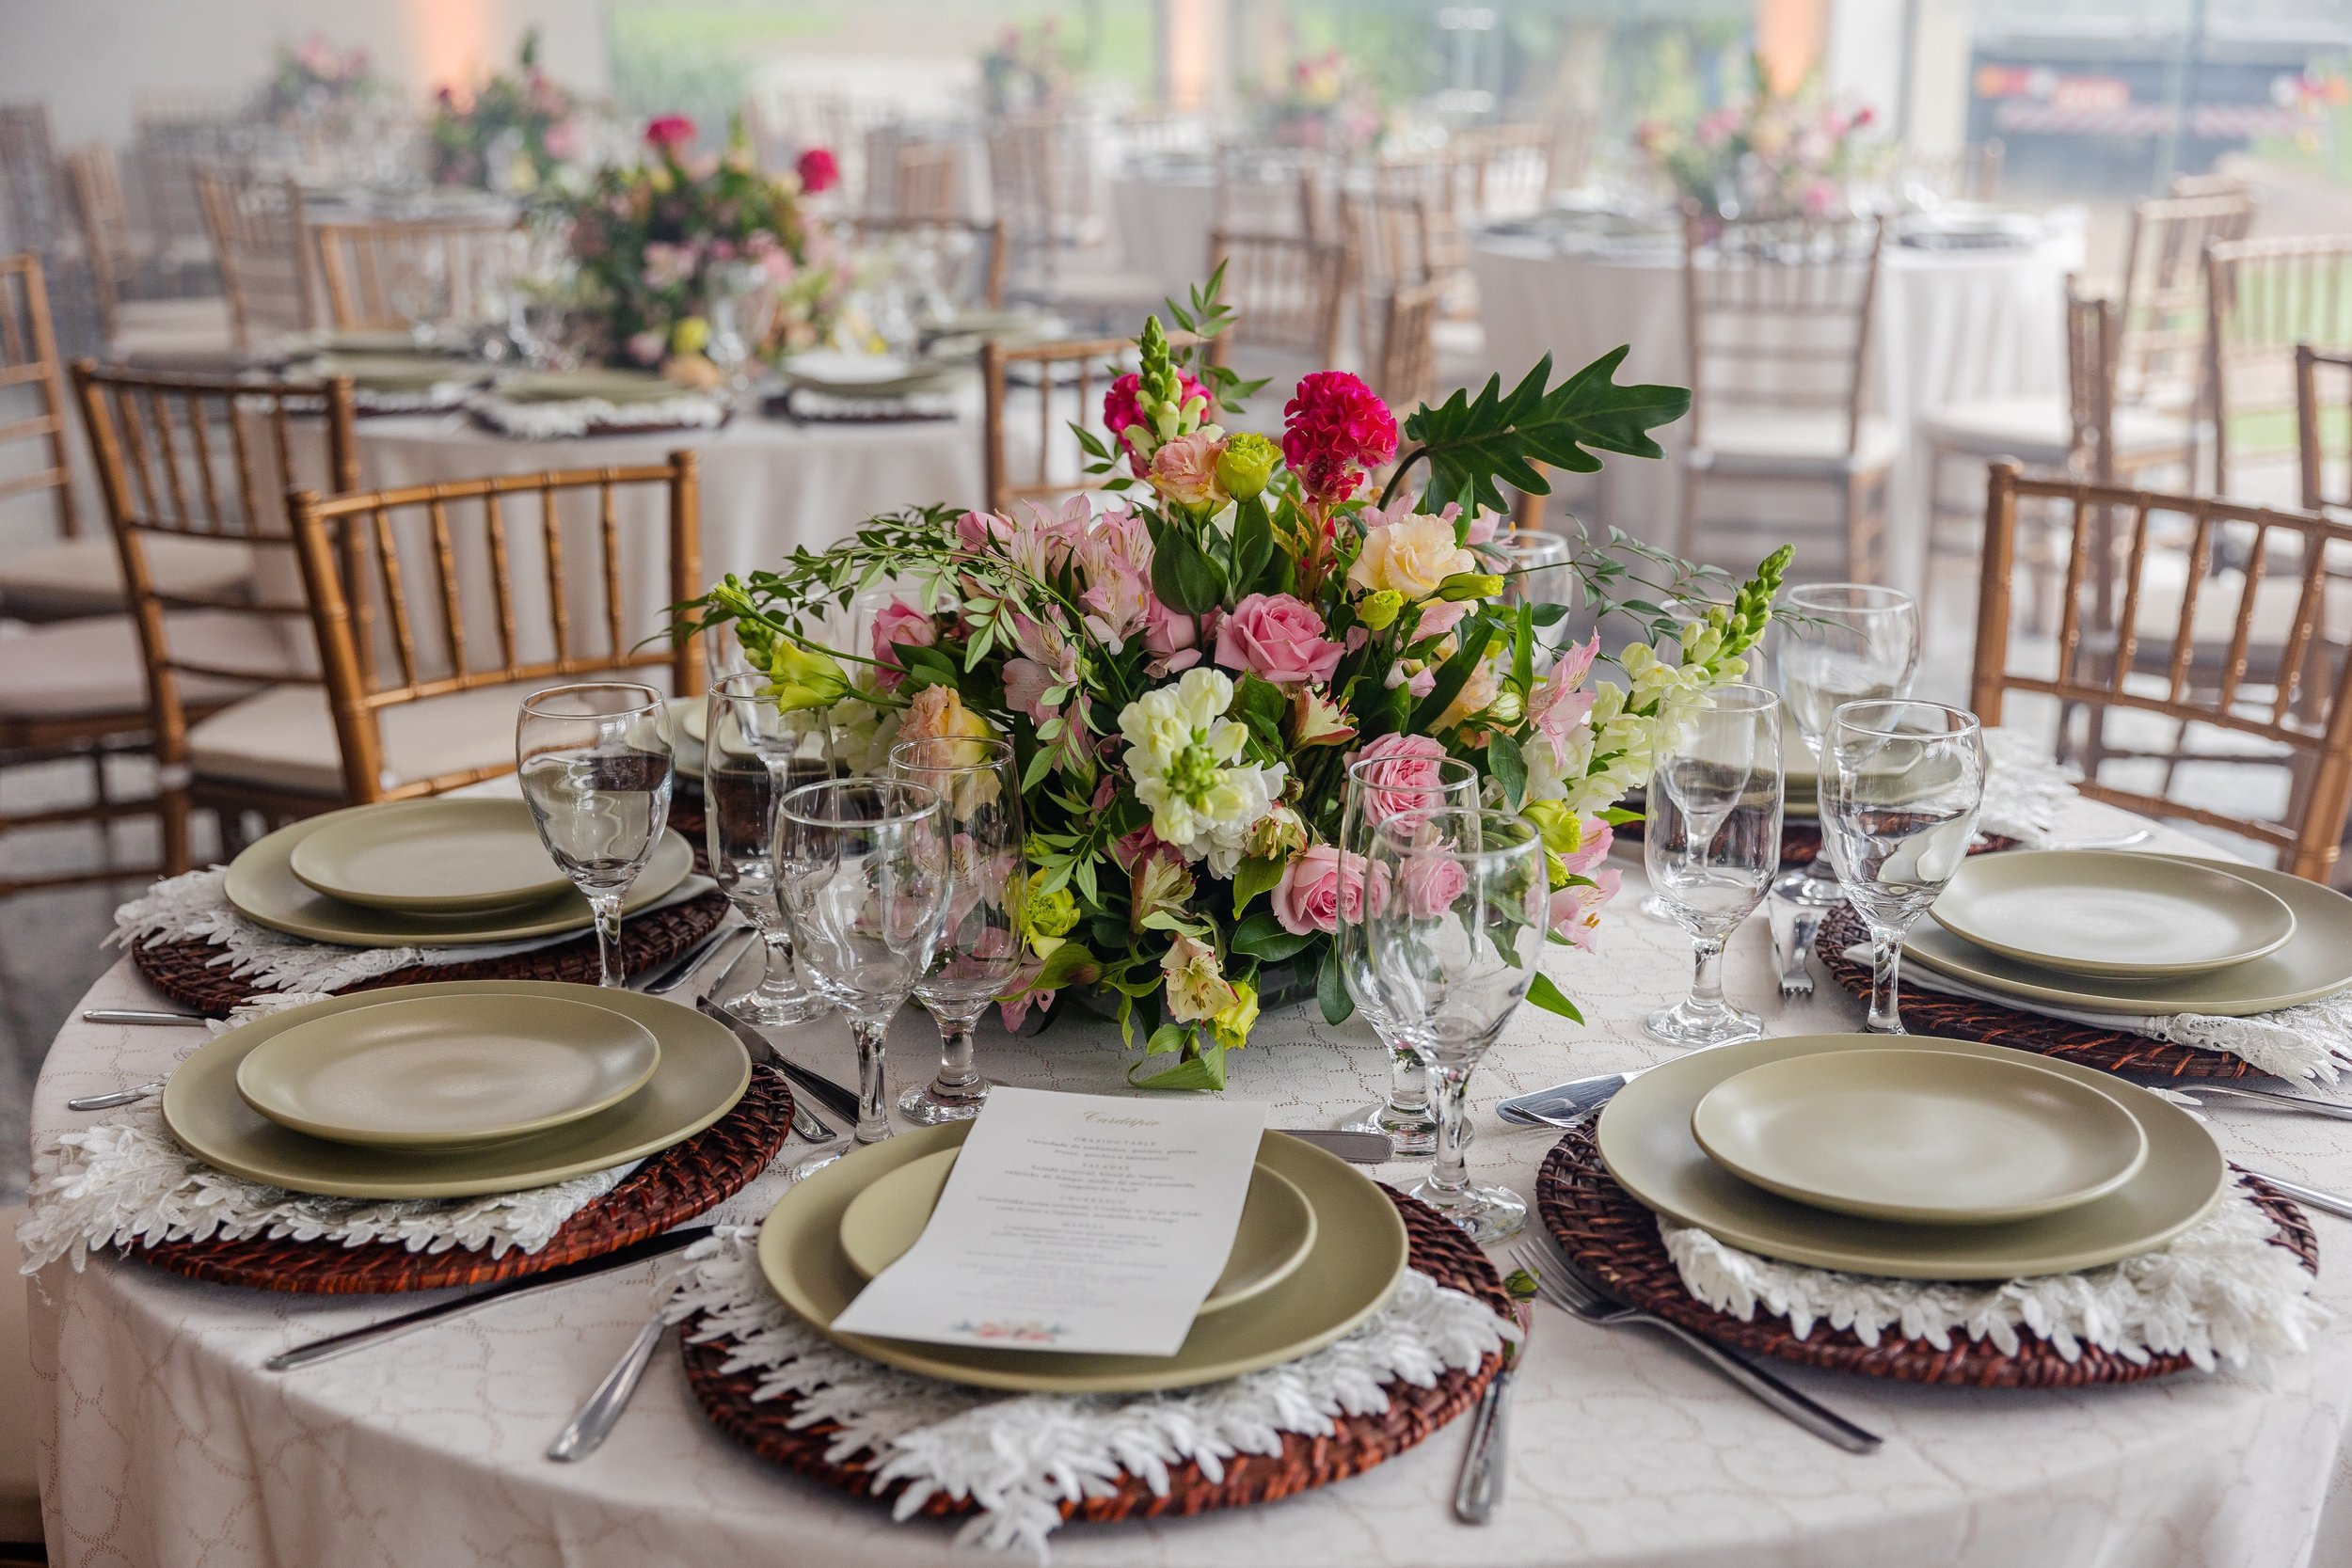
(681, 968)
(136, 1015)
(359, 1338)
(2325, 1202)
(1564, 1104)
(1356, 1149)
(832, 1095)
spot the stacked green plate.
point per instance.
(604, 386)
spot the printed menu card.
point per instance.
(1073, 1222)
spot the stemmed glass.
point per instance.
(1535, 564)
(979, 943)
(1900, 785)
(595, 771)
(1711, 843)
(753, 755)
(864, 869)
(1376, 789)
(1843, 642)
(1455, 907)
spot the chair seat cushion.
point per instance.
(2040, 430)
(93, 666)
(83, 576)
(284, 738)
(173, 315)
(1793, 442)
(19, 1490)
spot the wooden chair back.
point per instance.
(2137, 635)
(2322, 424)
(444, 272)
(1260, 191)
(1443, 187)
(1510, 165)
(465, 608)
(171, 143)
(29, 194)
(257, 235)
(1036, 171)
(2162, 298)
(1286, 293)
(2264, 297)
(2091, 348)
(926, 180)
(94, 179)
(966, 257)
(34, 460)
(1406, 371)
(1067, 380)
(1778, 314)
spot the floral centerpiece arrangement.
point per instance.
(1322, 104)
(1185, 673)
(1770, 156)
(1029, 68)
(659, 242)
(2321, 140)
(315, 81)
(511, 133)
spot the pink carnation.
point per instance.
(1320, 887)
(1334, 430)
(1278, 638)
(899, 624)
(818, 170)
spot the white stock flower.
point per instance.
(1187, 760)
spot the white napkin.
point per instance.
(2309, 1040)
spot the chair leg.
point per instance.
(171, 815)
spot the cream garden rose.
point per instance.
(1411, 556)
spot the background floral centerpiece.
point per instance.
(1185, 673)
(1321, 104)
(1029, 67)
(511, 133)
(315, 81)
(1771, 154)
(661, 242)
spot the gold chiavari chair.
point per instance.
(1510, 166)
(442, 272)
(1971, 173)
(1777, 317)
(2154, 636)
(1260, 191)
(1405, 376)
(2162, 362)
(2265, 298)
(1388, 239)
(257, 235)
(1287, 293)
(966, 256)
(469, 627)
(32, 437)
(162, 333)
(2323, 424)
(170, 141)
(1036, 171)
(195, 470)
(925, 180)
(1067, 379)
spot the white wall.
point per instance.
(90, 58)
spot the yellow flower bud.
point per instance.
(1377, 611)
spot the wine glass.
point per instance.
(1535, 562)
(865, 872)
(1900, 785)
(1845, 642)
(595, 765)
(753, 755)
(979, 781)
(1711, 843)
(1454, 904)
(1376, 789)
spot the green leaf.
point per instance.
(1168, 1037)
(1505, 761)
(1262, 706)
(1618, 817)
(1331, 987)
(1452, 677)
(1182, 575)
(1251, 878)
(1203, 1071)
(1477, 445)
(1069, 965)
(1253, 543)
(1551, 1000)
(1262, 937)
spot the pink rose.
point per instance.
(899, 624)
(1431, 884)
(1408, 778)
(1172, 638)
(1320, 887)
(1280, 638)
(1575, 910)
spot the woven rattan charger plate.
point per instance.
(1615, 1238)
(1436, 1248)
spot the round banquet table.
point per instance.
(163, 1442)
(1949, 326)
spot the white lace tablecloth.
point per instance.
(163, 1442)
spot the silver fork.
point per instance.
(1803, 925)
(1562, 1284)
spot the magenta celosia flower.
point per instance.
(1334, 430)
(819, 171)
(1122, 411)
(669, 131)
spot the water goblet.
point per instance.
(978, 784)
(1534, 564)
(1711, 843)
(1843, 642)
(754, 755)
(1456, 902)
(1900, 785)
(594, 761)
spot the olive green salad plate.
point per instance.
(431, 857)
(1350, 1271)
(703, 1071)
(262, 887)
(1646, 1142)
(1276, 1230)
(604, 386)
(1924, 1137)
(2111, 914)
(444, 1071)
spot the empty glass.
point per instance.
(1455, 905)
(754, 755)
(864, 869)
(978, 783)
(1376, 789)
(1900, 785)
(594, 761)
(1711, 843)
(1535, 565)
(1842, 642)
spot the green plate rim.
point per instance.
(1983, 866)
(427, 903)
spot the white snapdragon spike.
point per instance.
(1186, 759)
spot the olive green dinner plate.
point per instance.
(2110, 914)
(867, 375)
(616, 386)
(1277, 1229)
(392, 372)
(2316, 962)
(1353, 1268)
(262, 886)
(1646, 1139)
(397, 341)
(702, 1073)
(1923, 1136)
(429, 1072)
(433, 857)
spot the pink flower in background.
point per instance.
(1430, 884)
(1419, 682)
(1278, 638)
(1332, 431)
(1122, 411)
(818, 170)
(646, 348)
(668, 265)
(1172, 638)
(899, 624)
(563, 141)
(669, 131)
(1114, 562)
(1575, 912)
(1411, 777)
